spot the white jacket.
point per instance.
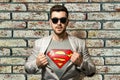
(72, 72)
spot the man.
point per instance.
(60, 56)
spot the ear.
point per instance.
(67, 21)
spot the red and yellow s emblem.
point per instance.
(60, 56)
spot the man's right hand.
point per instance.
(41, 60)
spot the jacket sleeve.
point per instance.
(30, 65)
(87, 66)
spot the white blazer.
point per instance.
(72, 71)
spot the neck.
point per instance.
(60, 37)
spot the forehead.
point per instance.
(58, 14)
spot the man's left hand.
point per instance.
(77, 58)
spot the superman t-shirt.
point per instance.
(58, 54)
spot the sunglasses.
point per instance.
(62, 20)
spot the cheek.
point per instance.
(51, 24)
(65, 25)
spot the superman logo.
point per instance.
(60, 56)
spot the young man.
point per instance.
(60, 56)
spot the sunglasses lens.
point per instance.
(54, 20)
(62, 20)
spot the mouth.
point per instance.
(59, 28)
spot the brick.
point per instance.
(21, 51)
(39, 7)
(30, 16)
(98, 61)
(12, 61)
(5, 33)
(108, 69)
(69, 0)
(95, 77)
(112, 60)
(113, 43)
(13, 24)
(4, 52)
(104, 52)
(102, 0)
(34, 77)
(5, 69)
(4, 16)
(103, 34)
(104, 16)
(79, 34)
(30, 33)
(94, 43)
(84, 25)
(30, 0)
(38, 25)
(12, 77)
(12, 7)
(82, 7)
(111, 7)
(77, 16)
(112, 77)
(18, 69)
(4, 0)
(12, 43)
(31, 42)
(111, 25)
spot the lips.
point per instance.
(60, 56)
(58, 28)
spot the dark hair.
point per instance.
(59, 8)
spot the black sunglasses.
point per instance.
(62, 20)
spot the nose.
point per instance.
(59, 22)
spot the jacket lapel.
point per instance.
(45, 43)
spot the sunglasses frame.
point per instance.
(62, 20)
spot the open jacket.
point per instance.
(72, 71)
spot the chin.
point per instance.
(59, 32)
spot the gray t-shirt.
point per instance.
(65, 44)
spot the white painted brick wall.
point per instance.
(23, 21)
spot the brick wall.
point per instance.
(23, 21)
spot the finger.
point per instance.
(73, 59)
(43, 62)
(42, 58)
(75, 55)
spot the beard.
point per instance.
(60, 33)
